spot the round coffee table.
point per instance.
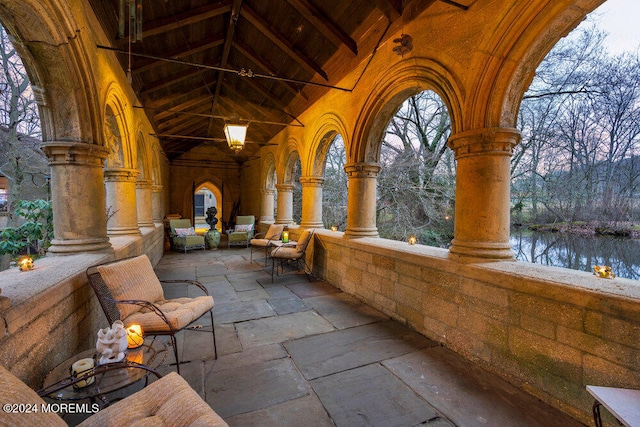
(139, 363)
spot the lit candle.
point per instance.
(412, 240)
(79, 368)
(334, 228)
(285, 236)
(134, 336)
(25, 263)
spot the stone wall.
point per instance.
(549, 331)
(53, 312)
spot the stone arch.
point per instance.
(52, 48)
(387, 94)
(117, 137)
(217, 193)
(156, 173)
(289, 156)
(516, 49)
(143, 158)
(330, 125)
(212, 183)
(268, 171)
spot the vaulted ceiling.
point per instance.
(201, 63)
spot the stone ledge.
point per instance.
(56, 277)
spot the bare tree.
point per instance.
(21, 160)
(334, 188)
(416, 185)
(580, 126)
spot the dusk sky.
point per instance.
(620, 18)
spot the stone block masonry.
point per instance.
(549, 331)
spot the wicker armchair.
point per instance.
(129, 290)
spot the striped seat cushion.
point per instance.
(180, 312)
(132, 279)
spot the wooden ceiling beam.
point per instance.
(256, 110)
(170, 23)
(255, 127)
(228, 43)
(177, 53)
(190, 125)
(282, 42)
(391, 8)
(323, 24)
(180, 118)
(177, 109)
(265, 94)
(169, 101)
(266, 67)
(171, 80)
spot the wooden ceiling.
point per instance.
(201, 63)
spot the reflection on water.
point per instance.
(577, 252)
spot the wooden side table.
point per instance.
(622, 403)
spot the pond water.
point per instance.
(578, 252)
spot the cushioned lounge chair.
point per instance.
(243, 231)
(184, 237)
(129, 290)
(266, 241)
(292, 252)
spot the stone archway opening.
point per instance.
(335, 185)
(205, 196)
(416, 183)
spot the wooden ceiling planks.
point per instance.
(300, 40)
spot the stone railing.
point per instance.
(550, 331)
(52, 311)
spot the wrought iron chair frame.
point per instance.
(112, 313)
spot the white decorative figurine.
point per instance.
(112, 343)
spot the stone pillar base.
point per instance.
(361, 232)
(312, 224)
(68, 247)
(481, 250)
(121, 231)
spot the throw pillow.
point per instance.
(183, 232)
(244, 228)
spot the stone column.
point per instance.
(285, 203)
(361, 200)
(267, 206)
(77, 197)
(311, 202)
(156, 202)
(120, 187)
(482, 192)
(144, 198)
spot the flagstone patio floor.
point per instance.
(303, 353)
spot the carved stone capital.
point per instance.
(74, 153)
(146, 184)
(268, 191)
(362, 170)
(120, 175)
(284, 188)
(482, 142)
(311, 181)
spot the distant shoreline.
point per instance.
(595, 228)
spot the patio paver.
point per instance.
(300, 353)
